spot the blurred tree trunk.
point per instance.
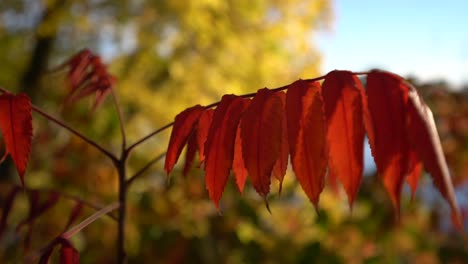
(44, 43)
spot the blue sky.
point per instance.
(428, 39)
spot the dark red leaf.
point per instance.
(342, 96)
(68, 254)
(87, 75)
(203, 127)
(387, 98)
(238, 166)
(307, 134)
(183, 126)
(279, 170)
(261, 137)
(16, 127)
(422, 133)
(219, 146)
(190, 153)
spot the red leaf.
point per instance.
(219, 146)
(415, 168)
(342, 95)
(307, 132)
(261, 138)
(238, 166)
(388, 97)
(279, 170)
(190, 153)
(294, 109)
(16, 127)
(425, 140)
(203, 127)
(183, 126)
(68, 254)
(87, 75)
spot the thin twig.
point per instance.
(145, 168)
(75, 199)
(75, 132)
(149, 136)
(120, 116)
(72, 231)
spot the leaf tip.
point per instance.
(267, 205)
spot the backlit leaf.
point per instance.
(308, 137)
(203, 127)
(425, 140)
(261, 138)
(219, 146)
(387, 98)
(16, 128)
(183, 127)
(342, 96)
(190, 153)
(279, 170)
(238, 166)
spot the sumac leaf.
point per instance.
(425, 140)
(183, 127)
(219, 146)
(16, 128)
(342, 96)
(415, 169)
(203, 127)
(261, 138)
(307, 137)
(387, 98)
(190, 153)
(281, 165)
(238, 166)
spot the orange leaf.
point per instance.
(183, 126)
(425, 140)
(415, 168)
(304, 105)
(261, 137)
(219, 146)
(279, 170)
(16, 127)
(342, 96)
(294, 109)
(202, 131)
(387, 98)
(238, 166)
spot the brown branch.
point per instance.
(145, 168)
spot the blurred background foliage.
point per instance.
(169, 55)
